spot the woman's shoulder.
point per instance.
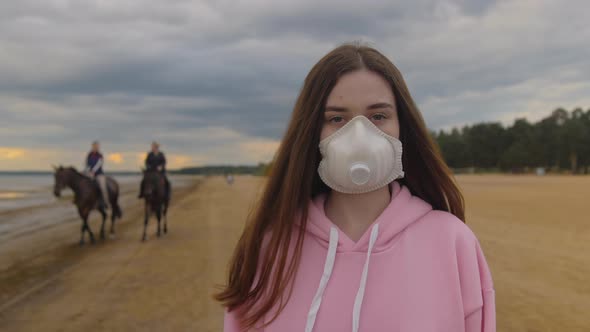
(447, 225)
(443, 231)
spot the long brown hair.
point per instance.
(259, 280)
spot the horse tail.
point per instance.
(114, 197)
(117, 210)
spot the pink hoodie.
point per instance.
(414, 270)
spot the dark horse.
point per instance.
(156, 199)
(87, 197)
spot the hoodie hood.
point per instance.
(403, 210)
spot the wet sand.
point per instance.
(535, 233)
(36, 241)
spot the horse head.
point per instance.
(61, 177)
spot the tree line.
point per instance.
(557, 143)
(223, 170)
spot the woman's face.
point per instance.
(365, 93)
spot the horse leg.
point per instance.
(116, 210)
(116, 213)
(89, 230)
(145, 221)
(104, 218)
(84, 215)
(113, 218)
(82, 229)
(165, 218)
(85, 226)
(159, 216)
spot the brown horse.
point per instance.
(87, 197)
(156, 199)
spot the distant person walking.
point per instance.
(93, 168)
(156, 162)
(230, 179)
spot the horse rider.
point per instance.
(156, 161)
(94, 163)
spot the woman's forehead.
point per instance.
(360, 88)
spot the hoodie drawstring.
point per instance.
(317, 299)
(328, 265)
(358, 301)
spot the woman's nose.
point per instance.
(359, 128)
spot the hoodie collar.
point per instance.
(403, 210)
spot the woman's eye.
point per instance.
(336, 119)
(378, 117)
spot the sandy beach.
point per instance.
(534, 232)
(125, 285)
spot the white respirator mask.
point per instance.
(360, 158)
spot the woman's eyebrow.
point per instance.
(335, 109)
(379, 105)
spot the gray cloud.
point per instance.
(130, 71)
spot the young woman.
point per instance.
(351, 234)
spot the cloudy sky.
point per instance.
(215, 81)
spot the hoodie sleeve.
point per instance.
(477, 288)
(230, 322)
